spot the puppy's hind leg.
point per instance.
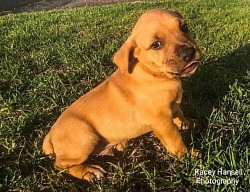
(71, 153)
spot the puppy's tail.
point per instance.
(47, 146)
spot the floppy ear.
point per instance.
(124, 58)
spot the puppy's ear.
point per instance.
(124, 58)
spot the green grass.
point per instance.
(49, 59)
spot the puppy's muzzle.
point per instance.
(189, 58)
(186, 53)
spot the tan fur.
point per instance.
(143, 95)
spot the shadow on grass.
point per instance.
(203, 92)
(210, 84)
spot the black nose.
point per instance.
(186, 53)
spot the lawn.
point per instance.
(49, 59)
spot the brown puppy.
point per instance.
(143, 95)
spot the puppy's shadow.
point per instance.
(207, 87)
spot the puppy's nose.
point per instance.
(186, 53)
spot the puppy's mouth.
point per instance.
(189, 69)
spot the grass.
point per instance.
(49, 59)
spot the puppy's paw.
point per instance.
(121, 146)
(190, 124)
(93, 172)
(85, 171)
(195, 153)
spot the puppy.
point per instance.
(143, 95)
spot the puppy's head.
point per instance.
(161, 43)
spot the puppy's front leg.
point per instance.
(168, 134)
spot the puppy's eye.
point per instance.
(157, 45)
(184, 28)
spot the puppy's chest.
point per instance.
(158, 95)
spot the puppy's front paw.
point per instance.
(121, 146)
(190, 124)
(195, 153)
